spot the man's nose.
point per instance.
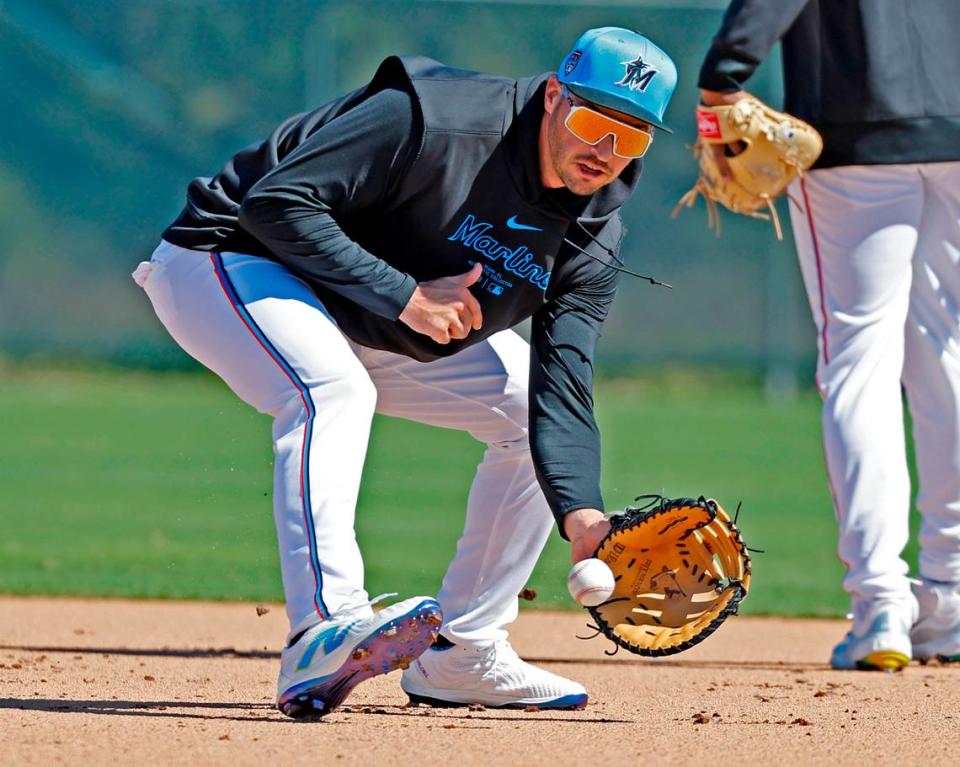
(604, 148)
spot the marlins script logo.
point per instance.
(517, 261)
(638, 74)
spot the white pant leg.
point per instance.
(932, 371)
(855, 240)
(481, 390)
(269, 338)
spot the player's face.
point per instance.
(567, 160)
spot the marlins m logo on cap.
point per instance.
(638, 75)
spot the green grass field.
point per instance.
(129, 484)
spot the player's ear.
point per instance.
(552, 95)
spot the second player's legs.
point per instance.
(932, 371)
(481, 390)
(855, 240)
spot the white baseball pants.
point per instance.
(267, 335)
(879, 248)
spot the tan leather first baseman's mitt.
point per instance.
(764, 151)
(681, 568)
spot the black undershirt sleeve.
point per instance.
(346, 166)
(749, 30)
(564, 437)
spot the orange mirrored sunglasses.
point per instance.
(592, 127)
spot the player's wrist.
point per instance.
(576, 522)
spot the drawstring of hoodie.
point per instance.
(619, 266)
(579, 391)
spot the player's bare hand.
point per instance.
(585, 528)
(719, 151)
(444, 308)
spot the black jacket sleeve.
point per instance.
(748, 32)
(564, 437)
(346, 166)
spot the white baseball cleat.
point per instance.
(936, 634)
(880, 637)
(495, 676)
(331, 658)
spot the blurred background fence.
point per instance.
(112, 106)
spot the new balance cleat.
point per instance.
(936, 634)
(879, 639)
(328, 660)
(493, 676)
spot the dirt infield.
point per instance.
(93, 682)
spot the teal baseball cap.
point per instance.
(621, 70)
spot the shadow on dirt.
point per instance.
(173, 709)
(480, 714)
(162, 652)
(265, 712)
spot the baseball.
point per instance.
(590, 582)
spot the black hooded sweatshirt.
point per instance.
(419, 175)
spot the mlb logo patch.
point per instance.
(572, 60)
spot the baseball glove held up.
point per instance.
(681, 568)
(763, 151)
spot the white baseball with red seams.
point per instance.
(590, 582)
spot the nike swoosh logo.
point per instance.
(512, 223)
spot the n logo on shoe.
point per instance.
(328, 640)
